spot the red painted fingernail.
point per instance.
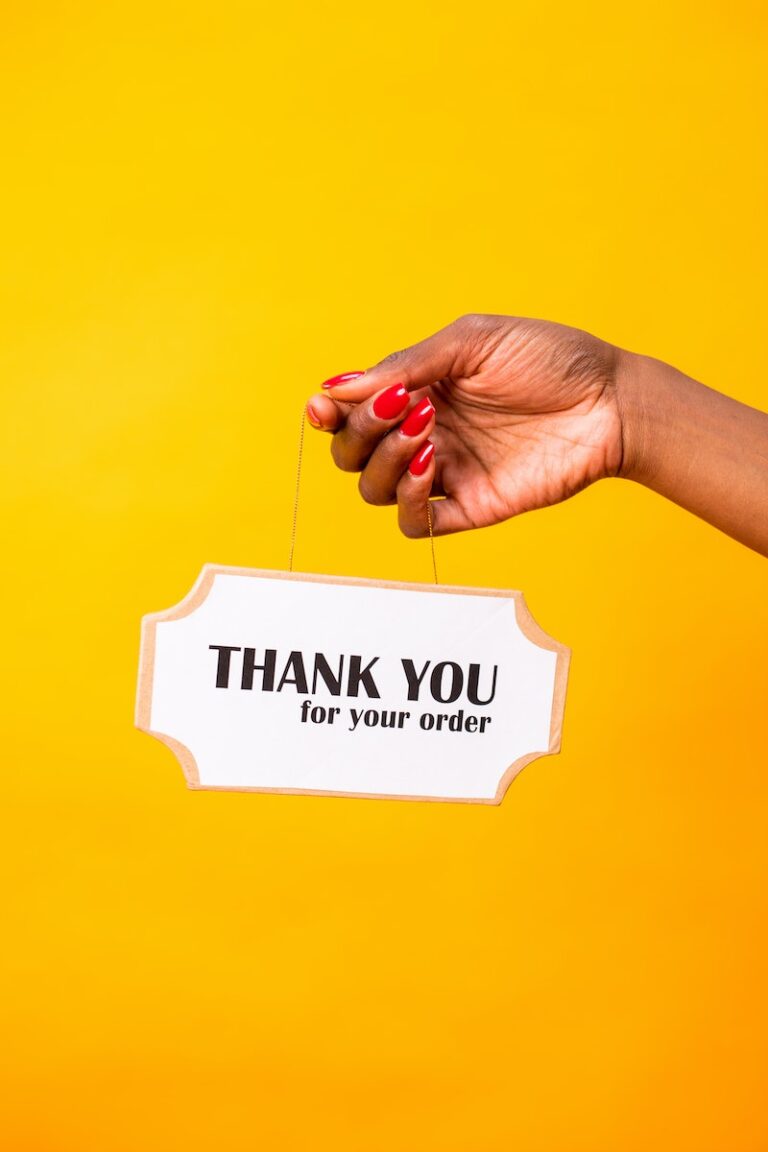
(312, 416)
(418, 418)
(391, 403)
(342, 378)
(420, 462)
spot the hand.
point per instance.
(522, 414)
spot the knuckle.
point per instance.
(340, 455)
(410, 528)
(393, 358)
(472, 322)
(369, 493)
(361, 422)
(397, 362)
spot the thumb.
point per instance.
(415, 367)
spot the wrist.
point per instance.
(642, 392)
(704, 450)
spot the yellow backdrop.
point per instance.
(207, 209)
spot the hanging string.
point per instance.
(431, 538)
(296, 492)
(294, 522)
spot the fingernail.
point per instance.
(312, 416)
(342, 378)
(391, 403)
(420, 462)
(418, 418)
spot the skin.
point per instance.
(528, 412)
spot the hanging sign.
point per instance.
(271, 681)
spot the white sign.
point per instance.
(285, 682)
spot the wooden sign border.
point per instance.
(199, 593)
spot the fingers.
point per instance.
(415, 367)
(396, 452)
(323, 414)
(363, 409)
(413, 496)
(454, 350)
(396, 463)
(368, 424)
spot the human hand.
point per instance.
(498, 414)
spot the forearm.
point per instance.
(704, 450)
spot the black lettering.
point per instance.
(473, 681)
(295, 664)
(436, 682)
(355, 713)
(222, 668)
(358, 676)
(414, 681)
(331, 681)
(250, 666)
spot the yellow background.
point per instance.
(207, 209)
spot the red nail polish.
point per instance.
(418, 418)
(420, 462)
(342, 378)
(391, 403)
(312, 416)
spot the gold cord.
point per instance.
(299, 462)
(431, 538)
(296, 493)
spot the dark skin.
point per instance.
(527, 413)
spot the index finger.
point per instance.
(415, 367)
